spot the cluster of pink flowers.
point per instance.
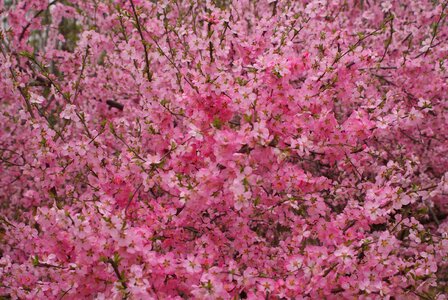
(219, 149)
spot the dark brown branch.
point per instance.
(115, 104)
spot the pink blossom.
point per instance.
(223, 149)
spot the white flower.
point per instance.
(386, 6)
(36, 99)
(195, 132)
(424, 104)
(152, 159)
(69, 112)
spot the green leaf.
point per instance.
(36, 260)
(217, 123)
(26, 54)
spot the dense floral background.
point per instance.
(220, 149)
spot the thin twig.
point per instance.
(140, 32)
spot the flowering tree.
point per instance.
(223, 149)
